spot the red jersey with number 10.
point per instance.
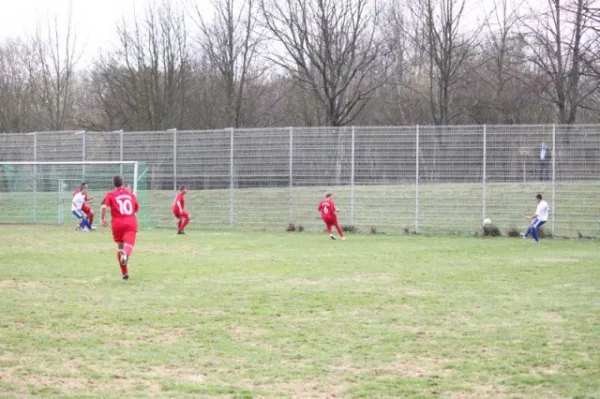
(327, 208)
(123, 206)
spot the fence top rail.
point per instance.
(314, 128)
(72, 163)
(47, 132)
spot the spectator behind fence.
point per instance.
(545, 156)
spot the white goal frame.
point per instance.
(75, 163)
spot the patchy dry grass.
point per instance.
(298, 316)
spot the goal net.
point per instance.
(41, 192)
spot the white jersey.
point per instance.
(542, 211)
(78, 201)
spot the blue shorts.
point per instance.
(537, 223)
(78, 214)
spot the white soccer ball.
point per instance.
(487, 221)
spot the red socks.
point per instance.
(123, 268)
(128, 249)
(182, 223)
(185, 223)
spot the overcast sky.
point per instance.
(94, 21)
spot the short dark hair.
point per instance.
(83, 184)
(118, 181)
(182, 187)
(539, 196)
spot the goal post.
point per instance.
(41, 192)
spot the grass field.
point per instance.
(231, 314)
(449, 208)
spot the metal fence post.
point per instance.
(135, 177)
(484, 174)
(231, 177)
(291, 167)
(120, 150)
(417, 180)
(83, 144)
(174, 130)
(352, 176)
(34, 177)
(554, 152)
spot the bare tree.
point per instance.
(330, 47)
(591, 9)
(559, 44)
(503, 81)
(447, 49)
(18, 100)
(56, 58)
(591, 57)
(500, 41)
(393, 97)
(142, 84)
(231, 41)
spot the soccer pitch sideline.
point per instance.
(232, 314)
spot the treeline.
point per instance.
(262, 63)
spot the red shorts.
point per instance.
(181, 215)
(124, 233)
(330, 221)
(86, 209)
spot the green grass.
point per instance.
(450, 208)
(232, 314)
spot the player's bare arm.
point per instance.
(103, 214)
(532, 217)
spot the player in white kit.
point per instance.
(537, 220)
(76, 209)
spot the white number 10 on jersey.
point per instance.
(125, 206)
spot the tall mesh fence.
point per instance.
(42, 193)
(425, 179)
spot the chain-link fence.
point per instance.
(425, 179)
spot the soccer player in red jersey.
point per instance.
(86, 208)
(328, 209)
(179, 210)
(123, 207)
